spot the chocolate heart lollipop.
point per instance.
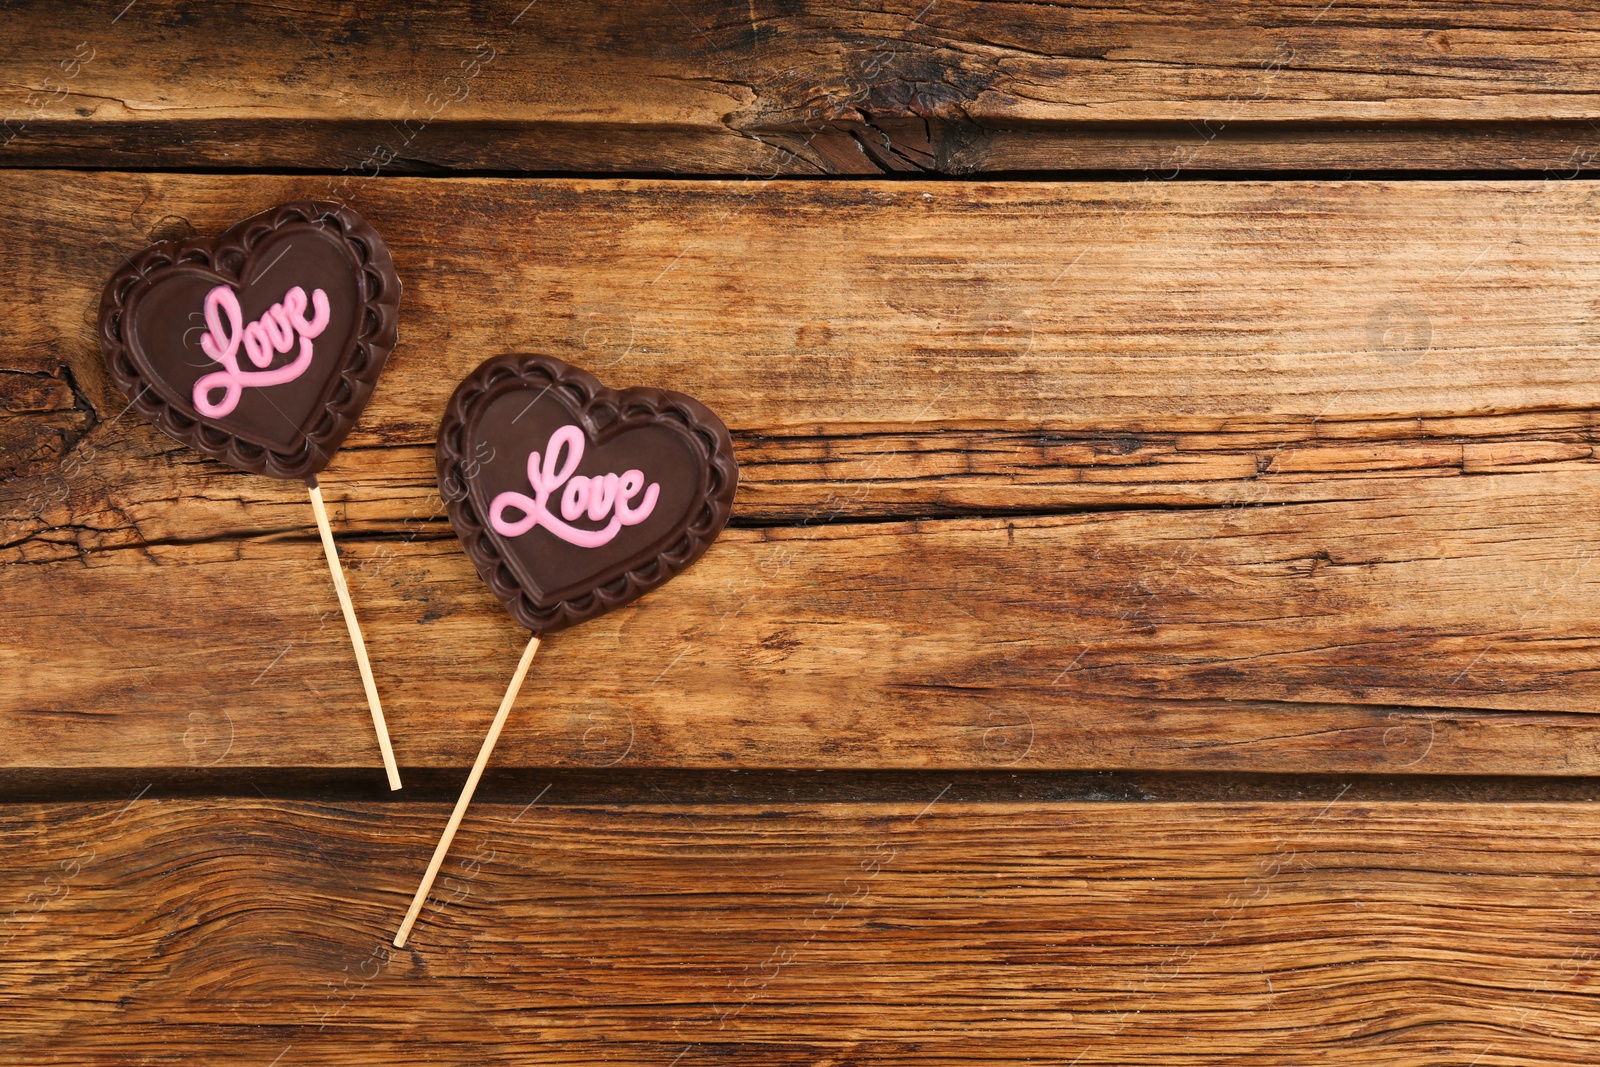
(572, 499)
(260, 347)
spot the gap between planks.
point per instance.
(569, 787)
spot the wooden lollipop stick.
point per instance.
(466, 792)
(389, 765)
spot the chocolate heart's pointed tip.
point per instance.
(261, 346)
(572, 498)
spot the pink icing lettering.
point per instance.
(595, 497)
(273, 333)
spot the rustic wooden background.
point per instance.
(1158, 620)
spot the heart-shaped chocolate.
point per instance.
(573, 499)
(261, 346)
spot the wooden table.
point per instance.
(1157, 624)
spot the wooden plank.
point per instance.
(1416, 596)
(1337, 931)
(765, 88)
(807, 309)
(1353, 636)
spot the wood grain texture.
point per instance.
(1164, 581)
(819, 87)
(807, 309)
(1281, 477)
(1105, 643)
(1337, 931)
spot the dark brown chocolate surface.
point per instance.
(509, 408)
(152, 321)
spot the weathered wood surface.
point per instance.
(807, 88)
(1279, 477)
(1336, 931)
(1274, 310)
(1251, 517)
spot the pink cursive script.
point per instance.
(273, 332)
(595, 497)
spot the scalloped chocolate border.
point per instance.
(700, 424)
(363, 361)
